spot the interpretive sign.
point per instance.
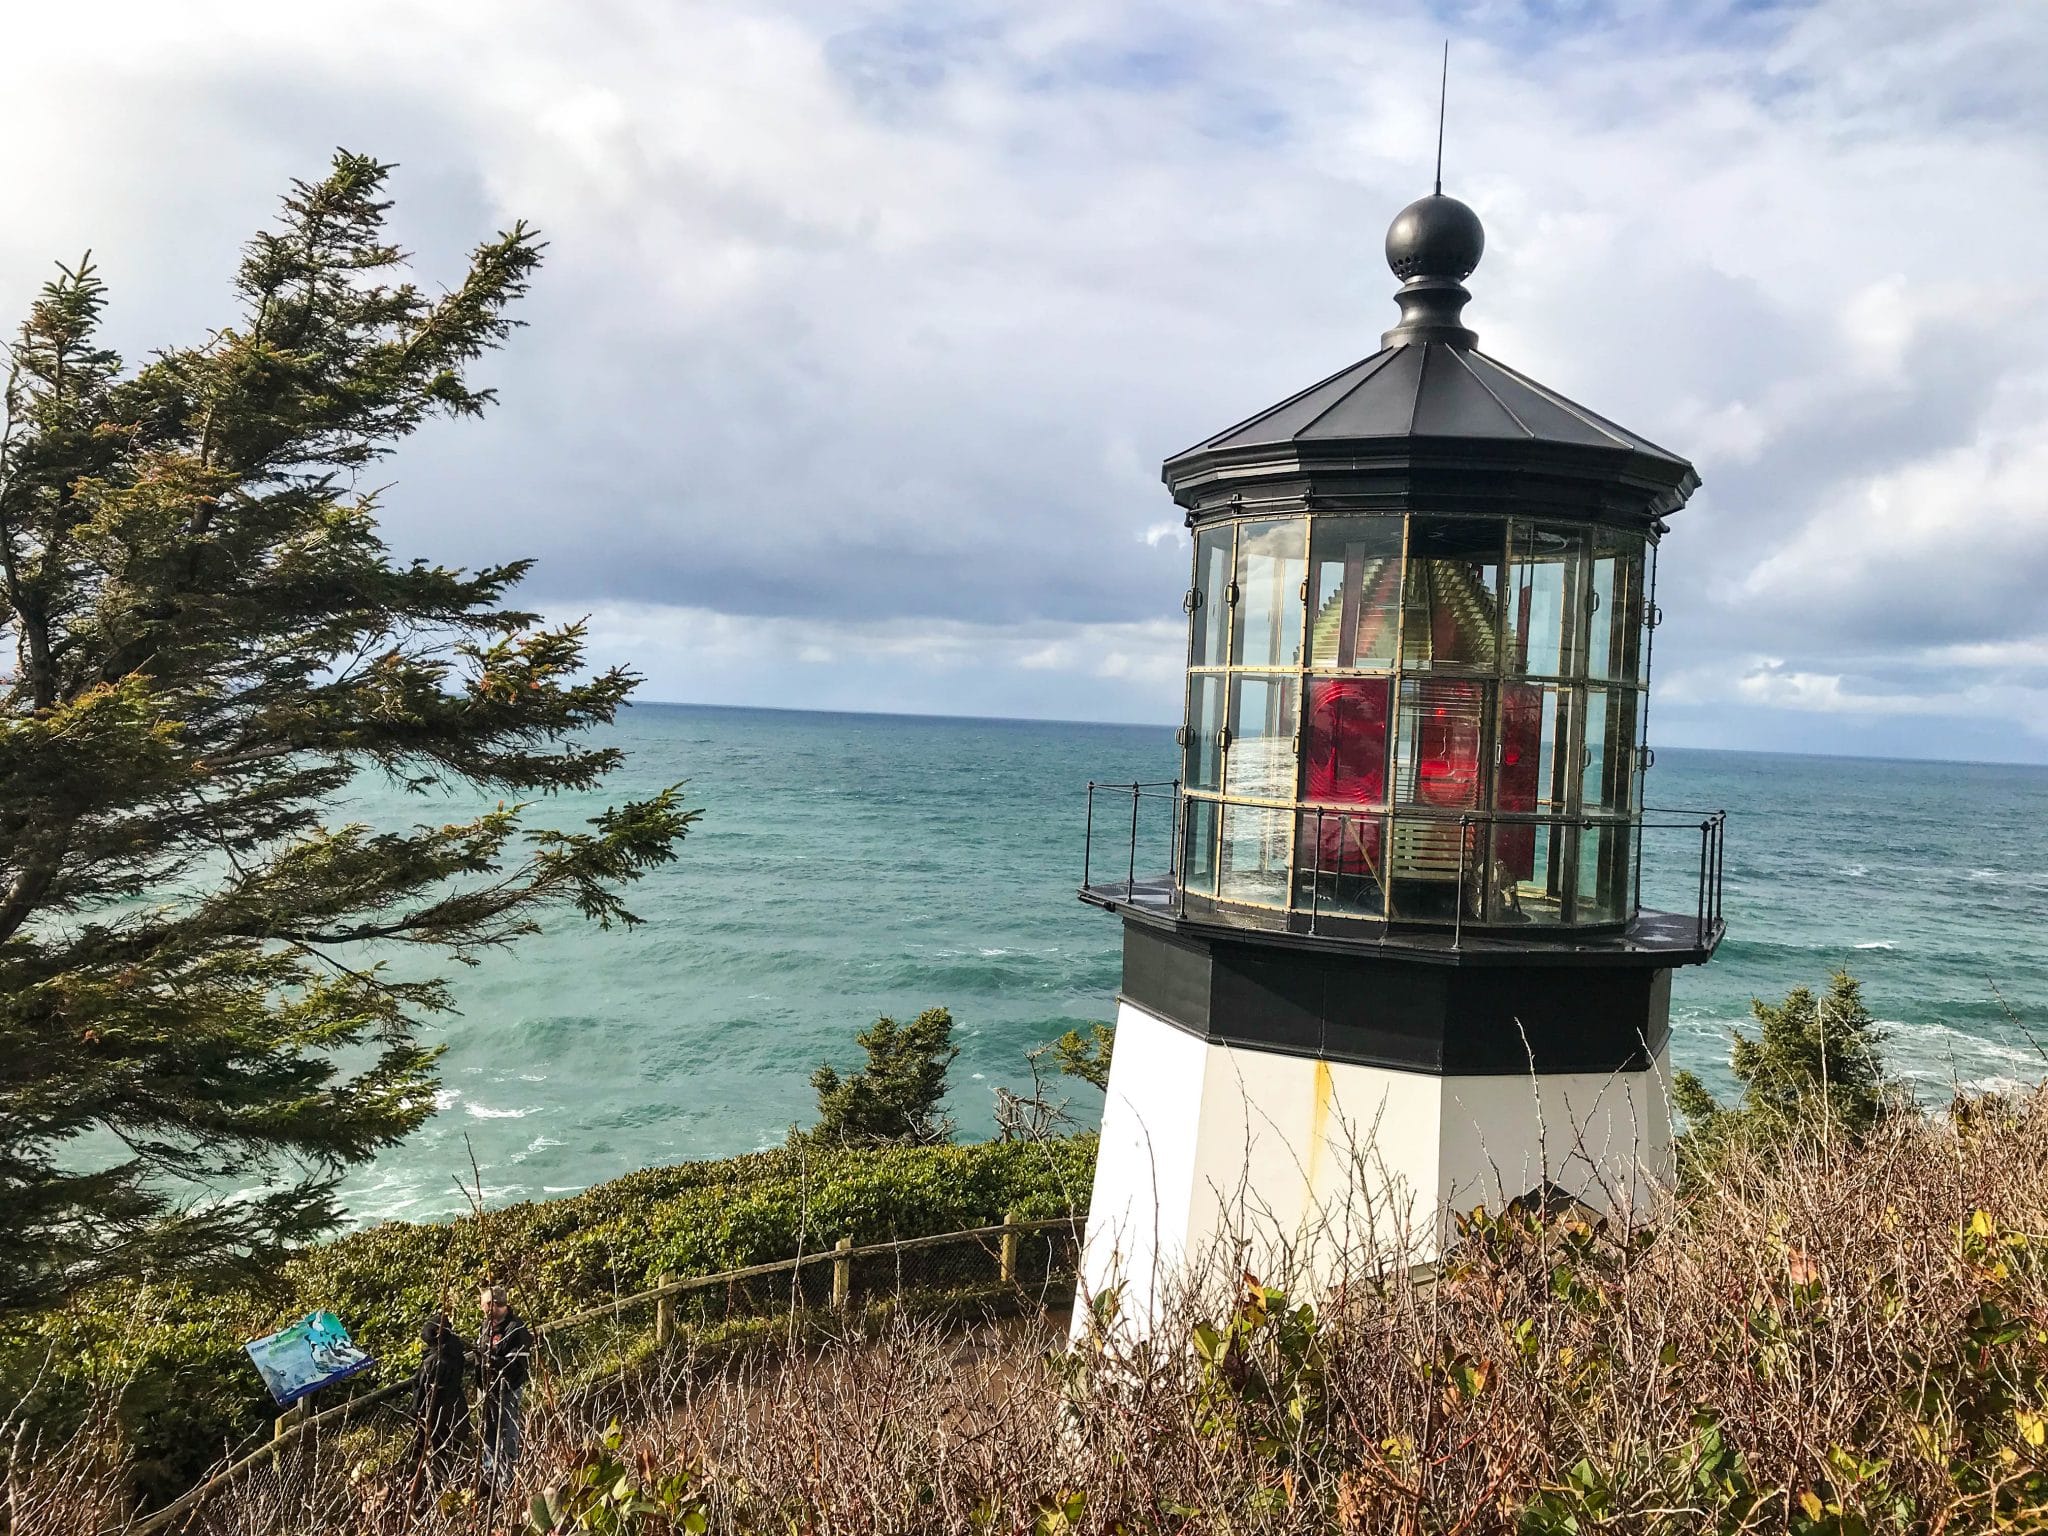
(305, 1356)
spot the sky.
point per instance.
(865, 325)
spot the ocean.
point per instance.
(849, 866)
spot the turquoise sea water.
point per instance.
(853, 865)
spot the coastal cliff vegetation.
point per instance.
(156, 1369)
(1836, 1323)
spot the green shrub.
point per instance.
(1813, 1069)
(171, 1357)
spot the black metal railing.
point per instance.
(1139, 798)
(1456, 852)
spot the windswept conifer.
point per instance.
(208, 641)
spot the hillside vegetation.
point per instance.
(164, 1367)
(1831, 1336)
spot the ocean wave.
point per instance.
(485, 1112)
(1877, 944)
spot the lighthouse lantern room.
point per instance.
(1399, 964)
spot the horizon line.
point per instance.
(1158, 725)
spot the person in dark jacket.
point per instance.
(505, 1358)
(440, 1408)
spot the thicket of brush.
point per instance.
(1838, 1323)
(160, 1370)
(1831, 1333)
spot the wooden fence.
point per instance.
(296, 1424)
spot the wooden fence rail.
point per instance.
(294, 1425)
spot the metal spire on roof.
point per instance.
(1443, 90)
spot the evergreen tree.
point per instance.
(897, 1096)
(1086, 1057)
(209, 641)
(1815, 1065)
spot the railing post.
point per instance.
(1012, 1239)
(1720, 859)
(1458, 910)
(1088, 837)
(842, 1276)
(1178, 832)
(1131, 875)
(664, 1315)
(1315, 876)
(1180, 847)
(1700, 924)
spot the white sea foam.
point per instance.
(2007, 1085)
(443, 1097)
(562, 1189)
(1856, 871)
(1877, 944)
(484, 1112)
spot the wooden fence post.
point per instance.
(1011, 1240)
(664, 1315)
(842, 1276)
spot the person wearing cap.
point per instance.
(505, 1362)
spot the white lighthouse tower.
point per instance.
(1399, 966)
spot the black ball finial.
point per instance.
(1432, 246)
(1435, 236)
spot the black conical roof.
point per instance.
(1430, 392)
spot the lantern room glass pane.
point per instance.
(1544, 625)
(1614, 624)
(1204, 765)
(1212, 607)
(1525, 881)
(1259, 764)
(1340, 864)
(1254, 866)
(1648, 611)
(1604, 870)
(1198, 846)
(1526, 875)
(1272, 559)
(1354, 595)
(1440, 742)
(1451, 595)
(1426, 859)
(1344, 740)
(1609, 752)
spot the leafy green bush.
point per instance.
(170, 1356)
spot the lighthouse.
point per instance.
(1386, 956)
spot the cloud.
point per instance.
(866, 326)
(912, 666)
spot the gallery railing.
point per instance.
(1135, 853)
